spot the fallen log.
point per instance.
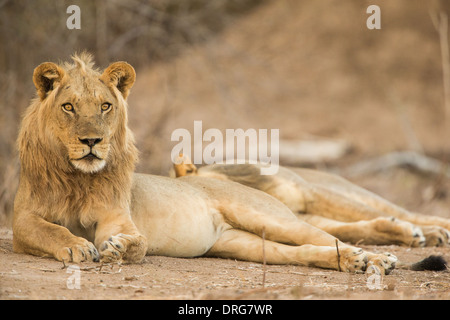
(409, 159)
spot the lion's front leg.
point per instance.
(34, 235)
(118, 239)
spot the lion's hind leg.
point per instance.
(242, 245)
(337, 198)
(281, 226)
(379, 231)
(290, 241)
(350, 208)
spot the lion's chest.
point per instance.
(86, 231)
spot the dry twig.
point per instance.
(440, 22)
(264, 256)
(338, 256)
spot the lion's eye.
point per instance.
(67, 107)
(106, 107)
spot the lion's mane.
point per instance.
(52, 185)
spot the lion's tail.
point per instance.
(431, 263)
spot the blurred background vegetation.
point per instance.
(140, 32)
(309, 68)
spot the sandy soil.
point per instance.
(29, 277)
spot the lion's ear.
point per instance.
(45, 78)
(121, 75)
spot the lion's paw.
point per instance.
(352, 260)
(358, 261)
(123, 247)
(436, 236)
(382, 263)
(399, 232)
(78, 250)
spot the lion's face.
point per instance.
(85, 115)
(87, 111)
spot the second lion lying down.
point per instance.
(332, 204)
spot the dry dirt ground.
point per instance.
(29, 277)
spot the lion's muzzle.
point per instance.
(90, 154)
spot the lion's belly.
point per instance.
(180, 235)
(175, 218)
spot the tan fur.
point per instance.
(53, 190)
(336, 206)
(65, 203)
(183, 167)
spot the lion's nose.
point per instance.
(90, 141)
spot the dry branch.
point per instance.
(410, 159)
(314, 150)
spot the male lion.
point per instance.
(332, 204)
(77, 158)
(79, 200)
